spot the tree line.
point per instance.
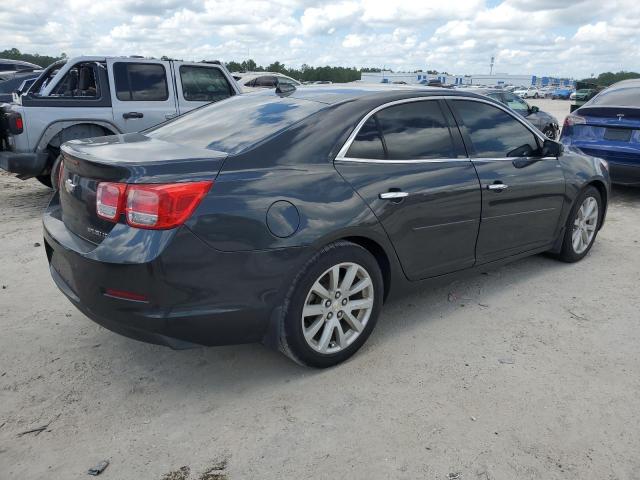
(609, 78)
(42, 60)
(305, 73)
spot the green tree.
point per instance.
(42, 60)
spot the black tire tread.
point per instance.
(282, 343)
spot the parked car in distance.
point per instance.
(7, 87)
(95, 96)
(530, 92)
(608, 126)
(11, 68)
(582, 95)
(254, 81)
(543, 121)
(561, 93)
(293, 223)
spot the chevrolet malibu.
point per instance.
(289, 217)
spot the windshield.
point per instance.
(236, 124)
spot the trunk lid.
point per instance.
(132, 158)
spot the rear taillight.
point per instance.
(16, 124)
(110, 200)
(574, 120)
(153, 206)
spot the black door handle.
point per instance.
(132, 115)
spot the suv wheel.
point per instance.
(332, 306)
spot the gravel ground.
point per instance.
(528, 372)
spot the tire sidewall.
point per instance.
(568, 253)
(292, 323)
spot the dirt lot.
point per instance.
(528, 372)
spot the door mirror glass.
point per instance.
(534, 109)
(551, 149)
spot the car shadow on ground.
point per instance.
(625, 194)
(253, 366)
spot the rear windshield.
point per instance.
(236, 124)
(618, 97)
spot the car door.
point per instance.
(199, 83)
(410, 167)
(142, 93)
(522, 192)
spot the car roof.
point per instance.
(632, 82)
(19, 62)
(336, 93)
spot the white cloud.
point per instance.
(526, 36)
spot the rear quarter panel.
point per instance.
(295, 167)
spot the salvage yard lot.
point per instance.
(528, 372)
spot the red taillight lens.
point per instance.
(165, 205)
(60, 173)
(16, 124)
(153, 206)
(110, 200)
(574, 120)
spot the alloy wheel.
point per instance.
(337, 308)
(584, 225)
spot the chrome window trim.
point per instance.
(423, 160)
(342, 154)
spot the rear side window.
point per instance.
(416, 130)
(494, 133)
(204, 84)
(140, 82)
(368, 142)
(265, 82)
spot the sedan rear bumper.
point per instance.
(191, 294)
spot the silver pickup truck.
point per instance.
(95, 96)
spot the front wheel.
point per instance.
(582, 225)
(332, 307)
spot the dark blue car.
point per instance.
(608, 126)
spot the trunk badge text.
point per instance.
(96, 232)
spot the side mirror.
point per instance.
(533, 109)
(551, 148)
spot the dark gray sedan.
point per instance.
(543, 121)
(290, 217)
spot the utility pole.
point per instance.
(491, 65)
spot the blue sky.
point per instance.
(543, 37)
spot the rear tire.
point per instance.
(582, 225)
(323, 323)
